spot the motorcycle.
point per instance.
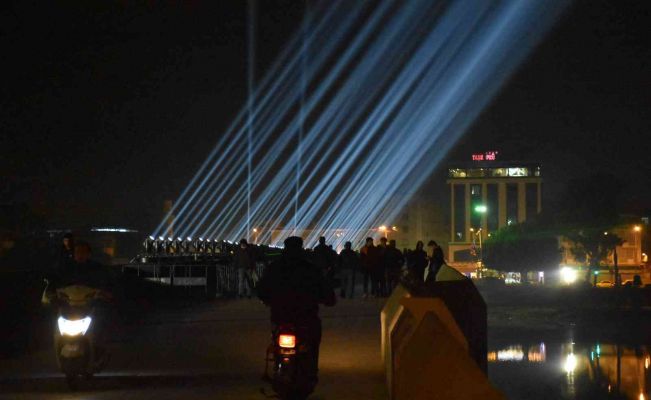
(75, 334)
(291, 354)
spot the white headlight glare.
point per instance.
(74, 327)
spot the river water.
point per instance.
(566, 369)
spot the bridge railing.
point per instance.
(213, 278)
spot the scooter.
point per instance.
(294, 374)
(75, 334)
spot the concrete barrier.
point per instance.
(434, 340)
(433, 363)
(389, 315)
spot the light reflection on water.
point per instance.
(571, 370)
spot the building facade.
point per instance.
(485, 196)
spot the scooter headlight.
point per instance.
(76, 327)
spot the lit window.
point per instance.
(519, 171)
(499, 172)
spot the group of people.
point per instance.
(379, 267)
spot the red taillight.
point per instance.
(287, 341)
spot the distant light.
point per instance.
(161, 238)
(642, 396)
(570, 363)
(189, 238)
(255, 230)
(382, 228)
(511, 353)
(179, 238)
(537, 354)
(201, 239)
(170, 238)
(394, 228)
(568, 275)
(596, 272)
(481, 208)
(152, 238)
(121, 230)
(605, 233)
(637, 228)
(509, 222)
(647, 362)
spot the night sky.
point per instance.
(108, 109)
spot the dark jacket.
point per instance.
(65, 258)
(348, 260)
(293, 288)
(244, 258)
(324, 257)
(90, 274)
(437, 257)
(435, 262)
(393, 259)
(417, 262)
(370, 259)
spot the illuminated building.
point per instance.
(487, 194)
(630, 258)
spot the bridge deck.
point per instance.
(211, 351)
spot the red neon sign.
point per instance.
(487, 156)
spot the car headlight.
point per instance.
(70, 327)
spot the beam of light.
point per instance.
(350, 161)
(482, 59)
(325, 119)
(249, 131)
(286, 136)
(371, 166)
(375, 123)
(271, 83)
(372, 58)
(278, 90)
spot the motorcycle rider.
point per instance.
(293, 288)
(66, 251)
(84, 271)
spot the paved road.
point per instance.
(211, 351)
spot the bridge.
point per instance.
(210, 350)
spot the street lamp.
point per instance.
(636, 231)
(481, 253)
(384, 230)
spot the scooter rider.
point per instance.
(83, 271)
(293, 288)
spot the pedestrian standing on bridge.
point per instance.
(416, 263)
(66, 252)
(245, 264)
(370, 264)
(436, 259)
(348, 265)
(393, 261)
(324, 257)
(380, 274)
